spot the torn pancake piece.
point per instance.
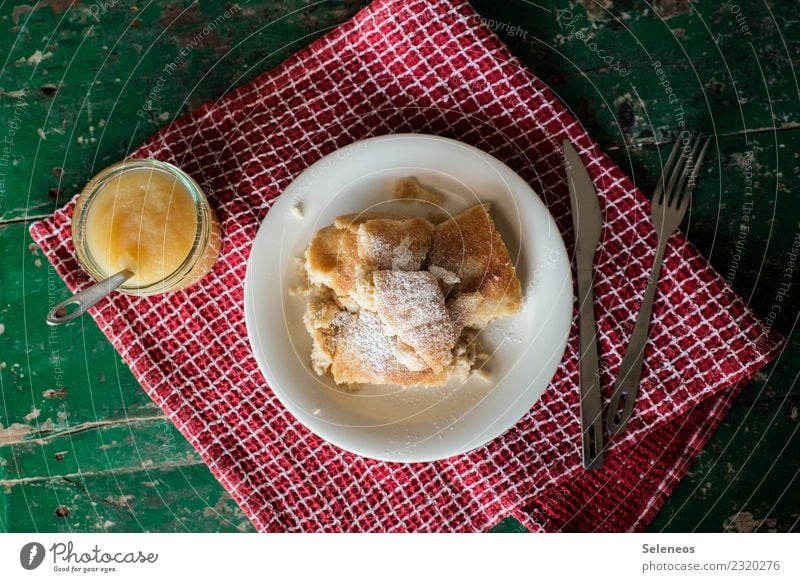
(365, 354)
(470, 246)
(462, 308)
(410, 189)
(407, 356)
(321, 308)
(411, 305)
(332, 259)
(353, 221)
(394, 299)
(396, 244)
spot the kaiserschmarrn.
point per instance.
(396, 300)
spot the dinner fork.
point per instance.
(670, 201)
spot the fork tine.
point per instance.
(691, 177)
(680, 169)
(657, 195)
(698, 161)
(688, 168)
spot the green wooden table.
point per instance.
(82, 448)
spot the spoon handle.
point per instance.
(86, 298)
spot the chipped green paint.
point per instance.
(88, 451)
(165, 499)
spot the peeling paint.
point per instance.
(19, 11)
(18, 94)
(57, 6)
(174, 14)
(744, 522)
(33, 414)
(36, 58)
(120, 500)
(596, 8)
(667, 9)
(680, 33)
(14, 433)
(48, 430)
(60, 393)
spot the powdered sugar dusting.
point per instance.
(402, 257)
(412, 306)
(384, 255)
(445, 276)
(399, 244)
(365, 341)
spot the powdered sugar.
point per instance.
(412, 305)
(399, 244)
(381, 254)
(402, 257)
(366, 342)
(445, 276)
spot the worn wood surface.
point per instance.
(81, 446)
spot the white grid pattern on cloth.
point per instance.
(251, 143)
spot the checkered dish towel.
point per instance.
(430, 67)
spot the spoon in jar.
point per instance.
(86, 298)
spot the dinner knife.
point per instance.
(587, 221)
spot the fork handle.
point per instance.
(591, 403)
(630, 371)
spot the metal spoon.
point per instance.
(86, 298)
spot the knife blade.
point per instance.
(587, 221)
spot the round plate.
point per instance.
(410, 423)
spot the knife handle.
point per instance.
(591, 406)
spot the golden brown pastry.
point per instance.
(411, 306)
(469, 246)
(461, 308)
(410, 188)
(353, 221)
(332, 259)
(364, 354)
(344, 255)
(394, 300)
(396, 244)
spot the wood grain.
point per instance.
(81, 85)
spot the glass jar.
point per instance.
(202, 248)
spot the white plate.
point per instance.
(418, 423)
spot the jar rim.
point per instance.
(92, 189)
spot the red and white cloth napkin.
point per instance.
(425, 66)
